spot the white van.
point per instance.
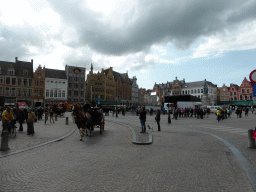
(213, 108)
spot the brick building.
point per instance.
(16, 82)
(39, 87)
(76, 84)
(101, 87)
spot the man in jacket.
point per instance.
(143, 120)
(6, 117)
(20, 118)
(158, 119)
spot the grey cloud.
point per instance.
(179, 22)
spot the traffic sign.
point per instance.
(253, 76)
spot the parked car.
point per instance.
(213, 108)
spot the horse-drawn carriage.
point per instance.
(98, 119)
(87, 121)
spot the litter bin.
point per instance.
(251, 141)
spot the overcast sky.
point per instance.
(154, 40)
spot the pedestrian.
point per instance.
(252, 109)
(143, 120)
(51, 116)
(30, 122)
(6, 117)
(21, 118)
(218, 113)
(157, 118)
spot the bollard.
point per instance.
(4, 141)
(250, 139)
(66, 120)
(56, 117)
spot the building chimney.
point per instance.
(32, 61)
(16, 59)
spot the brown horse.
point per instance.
(83, 122)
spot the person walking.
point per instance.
(30, 122)
(143, 120)
(21, 118)
(157, 118)
(51, 116)
(218, 113)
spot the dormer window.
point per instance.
(25, 72)
(11, 71)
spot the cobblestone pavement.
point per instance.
(179, 159)
(43, 133)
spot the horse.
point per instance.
(83, 122)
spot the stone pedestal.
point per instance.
(205, 100)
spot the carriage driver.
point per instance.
(86, 106)
(6, 117)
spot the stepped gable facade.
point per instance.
(76, 84)
(16, 82)
(39, 87)
(123, 87)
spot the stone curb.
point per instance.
(134, 141)
(46, 143)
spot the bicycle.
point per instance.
(11, 129)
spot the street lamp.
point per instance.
(116, 108)
(169, 118)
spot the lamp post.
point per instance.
(116, 108)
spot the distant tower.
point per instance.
(91, 68)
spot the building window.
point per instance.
(7, 80)
(25, 81)
(55, 93)
(63, 94)
(13, 92)
(188, 91)
(191, 91)
(11, 71)
(19, 91)
(30, 82)
(234, 93)
(248, 90)
(202, 90)
(245, 97)
(7, 91)
(1, 80)
(233, 89)
(41, 93)
(231, 94)
(198, 90)
(243, 91)
(47, 93)
(36, 83)
(20, 81)
(29, 92)
(39, 74)
(41, 83)
(51, 93)
(195, 91)
(241, 97)
(13, 81)
(25, 72)
(36, 93)
(59, 93)
(1, 90)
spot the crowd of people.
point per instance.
(26, 115)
